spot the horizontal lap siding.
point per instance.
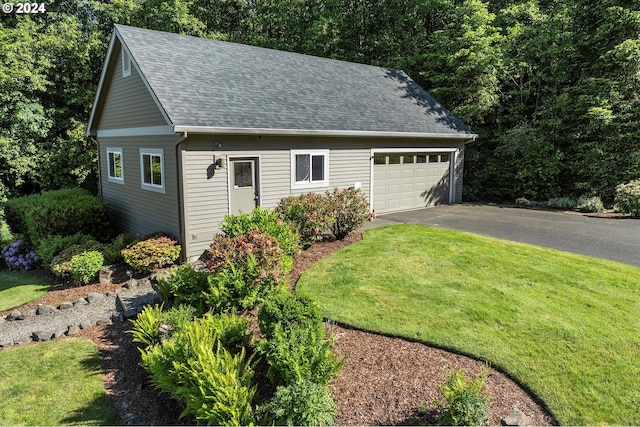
(206, 199)
(132, 208)
(127, 102)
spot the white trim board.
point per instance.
(136, 131)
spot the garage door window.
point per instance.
(309, 169)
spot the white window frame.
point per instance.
(154, 152)
(295, 185)
(111, 174)
(126, 64)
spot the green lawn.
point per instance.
(17, 289)
(53, 383)
(567, 326)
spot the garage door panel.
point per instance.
(411, 185)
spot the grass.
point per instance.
(564, 325)
(18, 288)
(53, 383)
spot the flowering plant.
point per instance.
(16, 257)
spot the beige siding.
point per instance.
(206, 198)
(127, 101)
(132, 208)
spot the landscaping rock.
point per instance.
(131, 283)
(105, 274)
(58, 334)
(86, 325)
(73, 330)
(515, 418)
(15, 315)
(2, 320)
(42, 336)
(65, 305)
(144, 283)
(24, 340)
(29, 314)
(45, 310)
(103, 322)
(94, 296)
(80, 301)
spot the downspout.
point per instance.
(99, 174)
(181, 214)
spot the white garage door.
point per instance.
(409, 181)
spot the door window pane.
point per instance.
(433, 158)
(421, 158)
(379, 160)
(407, 159)
(444, 158)
(394, 160)
(243, 176)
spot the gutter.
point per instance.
(315, 132)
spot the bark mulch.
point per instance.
(384, 380)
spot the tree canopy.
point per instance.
(551, 86)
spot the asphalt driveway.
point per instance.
(609, 238)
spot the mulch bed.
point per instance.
(384, 380)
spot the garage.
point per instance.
(404, 181)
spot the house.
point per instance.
(191, 129)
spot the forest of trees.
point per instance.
(551, 86)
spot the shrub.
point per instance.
(350, 210)
(59, 212)
(113, 251)
(194, 367)
(465, 401)
(263, 248)
(300, 404)
(310, 215)
(17, 257)
(146, 325)
(589, 204)
(152, 251)
(289, 311)
(627, 199)
(265, 221)
(521, 201)
(85, 266)
(562, 203)
(240, 288)
(61, 263)
(51, 246)
(184, 285)
(299, 354)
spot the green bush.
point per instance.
(300, 404)
(289, 311)
(153, 251)
(61, 263)
(562, 203)
(310, 215)
(627, 199)
(589, 204)
(265, 221)
(299, 354)
(466, 402)
(51, 246)
(194, 367)
(85, 266)
(183, 285)
(59, 212)
(113, 251)
(240, 288)
(146, 326)
(521, 201)
(350, 210)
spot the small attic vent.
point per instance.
(126, 64)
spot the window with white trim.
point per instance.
(126, 64)
(309, 168)
(115, 165)
(152, 169)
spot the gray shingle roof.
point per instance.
(210, 83)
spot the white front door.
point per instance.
(243, 188)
